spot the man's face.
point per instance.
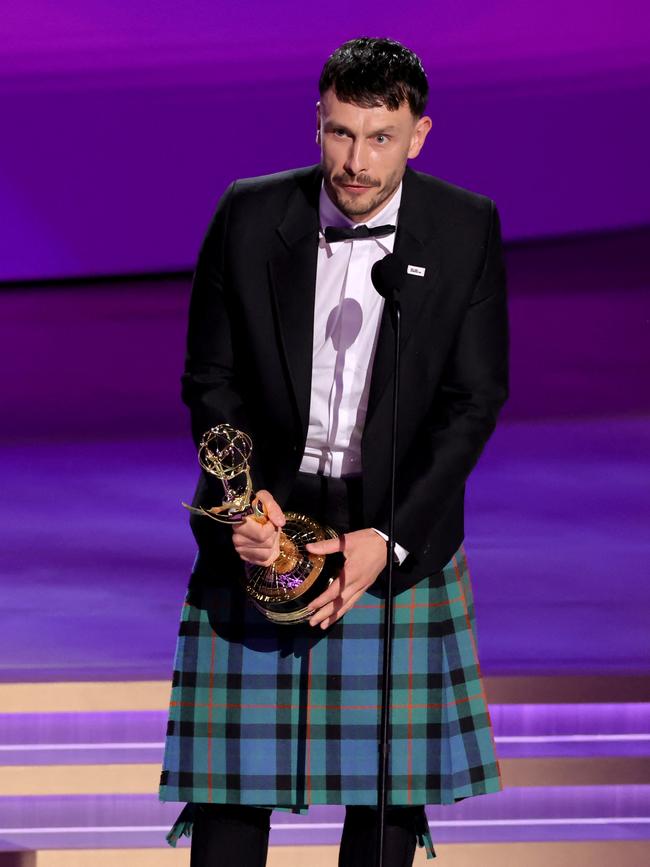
(364, 152)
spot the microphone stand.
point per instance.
(384, 739)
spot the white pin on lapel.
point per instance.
(416, 270)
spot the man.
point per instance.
(289, 342)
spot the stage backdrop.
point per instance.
(123, 120)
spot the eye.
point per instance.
(339, 132)
(381, 138)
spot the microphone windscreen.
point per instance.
(388, 275)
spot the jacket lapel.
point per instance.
(416, 244)
(292, 272)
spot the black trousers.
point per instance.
(231, 834)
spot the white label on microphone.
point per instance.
(416, 270)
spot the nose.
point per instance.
(356, 159)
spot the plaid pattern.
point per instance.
(289, 716)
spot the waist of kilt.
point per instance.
(336, 502)
(289, 716)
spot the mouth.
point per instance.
(355, 187)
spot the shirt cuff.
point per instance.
(400, 553)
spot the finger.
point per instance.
(253, 561)
(257, 551)
(348, 585)
(337, 611)
(327, 546)
(337, 594)
(326, 611)
(253, 531)
(258, 557)
(348, 581)
(272, 508)
(329, 595)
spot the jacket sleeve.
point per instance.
(472, 389)
(209, 383)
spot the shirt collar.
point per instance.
(330, 215)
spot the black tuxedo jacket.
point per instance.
(249, 354)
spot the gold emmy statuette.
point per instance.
(283, 590)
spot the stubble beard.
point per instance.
(354, 209)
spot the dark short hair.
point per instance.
(373, 72)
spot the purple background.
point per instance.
(124, 121)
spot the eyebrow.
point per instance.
(332, 124)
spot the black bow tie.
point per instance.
(335, 233)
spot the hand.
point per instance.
(259, 542)
(365, 557)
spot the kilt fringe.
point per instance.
(184, 824)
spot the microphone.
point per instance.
(387, 277)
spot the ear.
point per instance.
(420, 132)
(318, 123)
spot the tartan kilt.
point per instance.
(288, 716)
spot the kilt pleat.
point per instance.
(289, 716)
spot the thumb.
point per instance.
(272, 508)
(326, 546)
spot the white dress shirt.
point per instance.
(347, 313)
